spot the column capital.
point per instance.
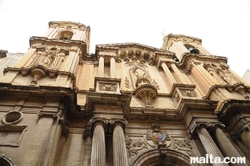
(107, 123)
(208, 125)
(165, 61)
(197, 125)
(214, 125)
(237, 124)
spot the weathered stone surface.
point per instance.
(124, 104)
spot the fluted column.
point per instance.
(180, 75)
(226, 146)
(101, 66)
(208, 144)
(98, 152)
(112, 68)
(119, 146)
(168, 73)
(245, 136)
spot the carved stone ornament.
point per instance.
(188, 93)
(103, 86)
(126, 82)
(155, 137)
(135, 147)
(238, 124)
(183, 145)
(147, 93)
(46, 60)
(139, 75)
(227, 76)
(144, 86)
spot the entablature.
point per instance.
(37, 42)
(67, 24)
(187, 57)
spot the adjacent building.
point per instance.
(246, 76)
(127, 104)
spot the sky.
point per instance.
(223, 25)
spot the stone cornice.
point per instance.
(34, 40)
(230, 106)
(53, 24)
(132, 45)
(186, 57)
(168, 39)
(53, 90)
(107, 99)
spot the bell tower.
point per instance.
(181, 44)
(51, 59)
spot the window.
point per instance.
(192, 49)
(66, 35)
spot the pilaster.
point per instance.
(168, 73)
(101, 66)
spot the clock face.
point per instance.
(158, 136)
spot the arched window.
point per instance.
(4, 161)
(66, 35)
(192, 49)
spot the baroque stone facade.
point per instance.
(127, 104)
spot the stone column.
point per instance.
(180, 75)
(101, 66)
(168, 73)
(119, 146)
(112, 67)
(98, 152)
(245, 136)
(208, 144)
(226, 146)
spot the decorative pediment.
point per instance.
(133, 52)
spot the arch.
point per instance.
(64, 35)
(192, 49)
(4, 161)
(153, 158)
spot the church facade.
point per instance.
(127, 104)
